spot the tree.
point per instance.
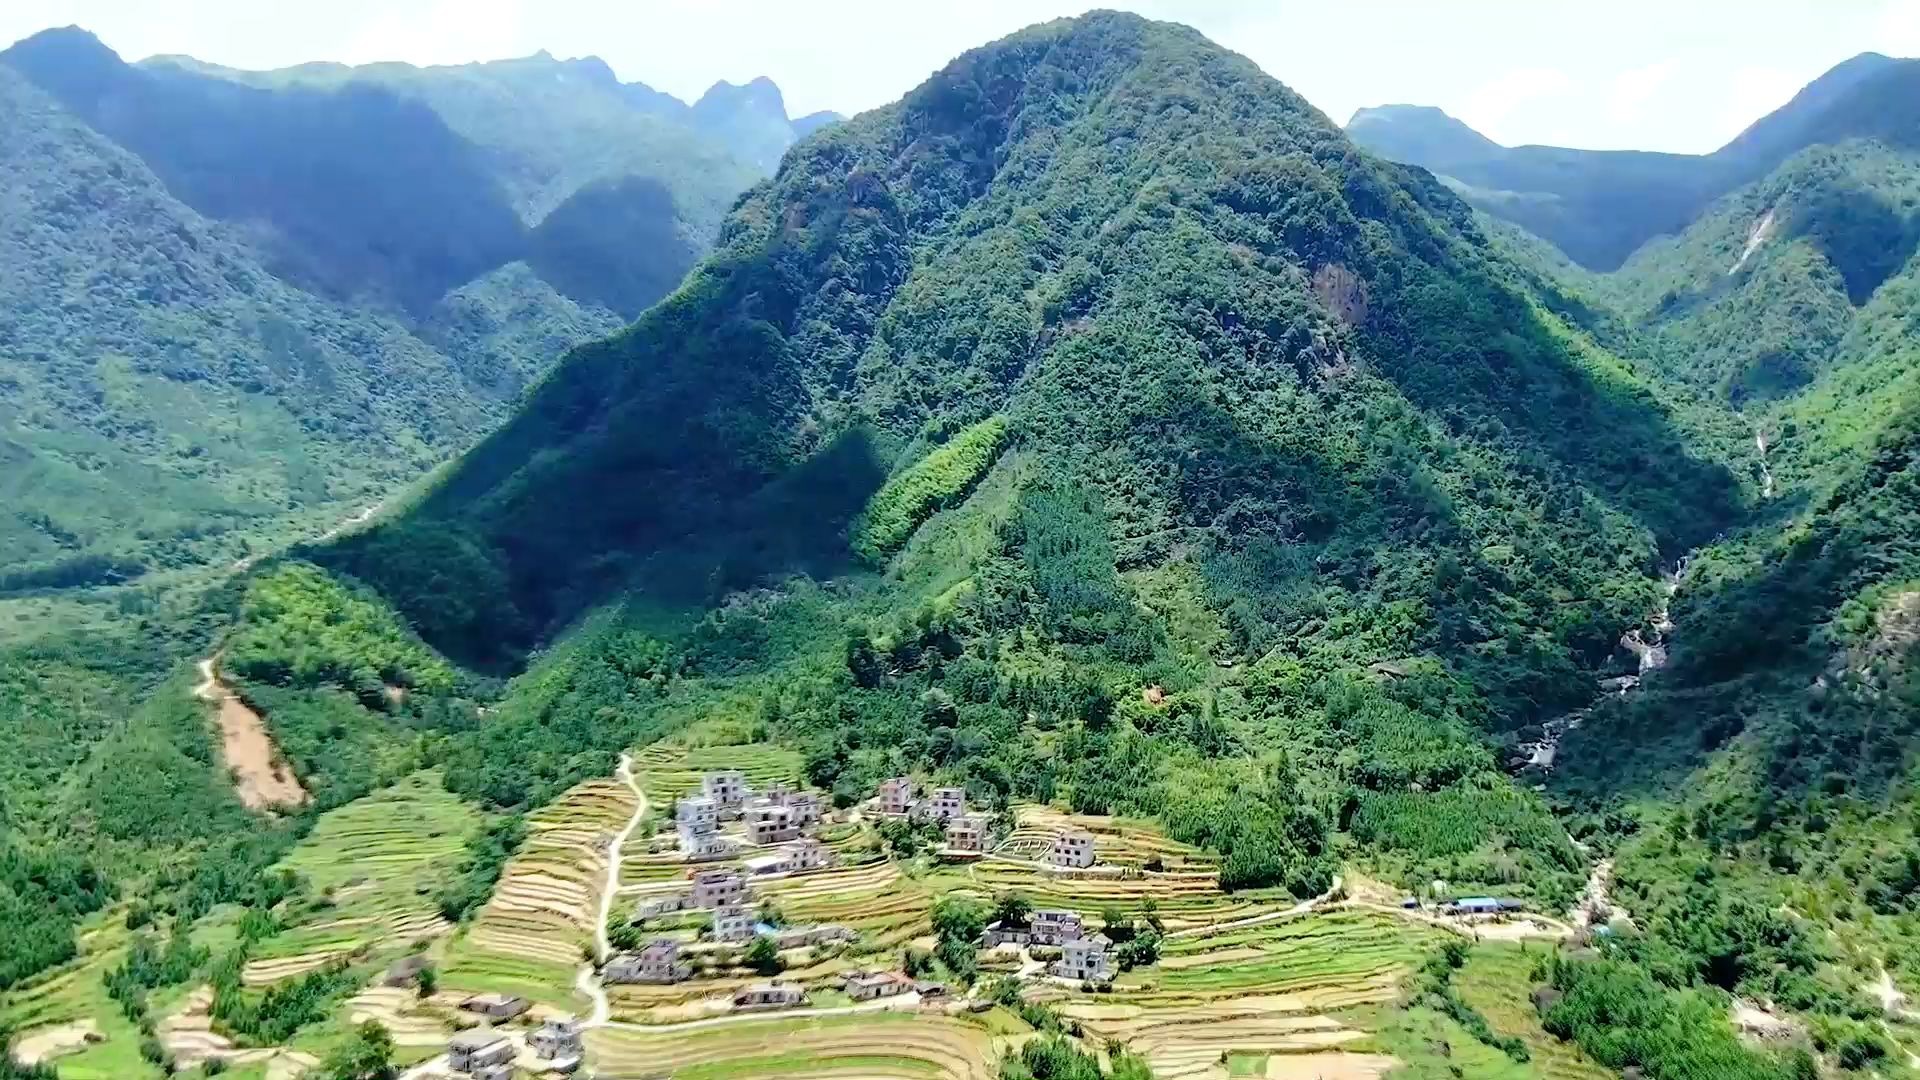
(368, 1055)
(763, 956)
(427, 981)
(1011, 909)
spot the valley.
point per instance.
(1087, 571)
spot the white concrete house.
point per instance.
(1085, 959)
(896, 795)
(727, 788)
(732, 925)
(717, 889)
(1072, 849)
(947, 803)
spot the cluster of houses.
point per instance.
(774, 816)
(725, 894)
(1083, 956)
(947, 806)
(966, 833)
(486, 1053)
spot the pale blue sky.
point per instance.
(1681, 75)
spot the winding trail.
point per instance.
(588, 981)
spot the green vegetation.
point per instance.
(1055, 1058)
(1601, 206)
(300, 628)
(938, 480)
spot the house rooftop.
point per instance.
(475, 1039)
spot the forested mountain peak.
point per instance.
(1134, 247)
(1599, 206)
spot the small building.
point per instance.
(1054, 926)
(772, 995)
(706, 847)
(696, 814)
(808, 854)
(496, 1006)
(727, 788)
(1085, 959)
(503, 1071)
(717, 889)
(406, 970)
(652, 907)
(896, 795)
(478, 1048)
(868, 985)
(947, 803)
(793, 937)
(805, 806)
(1479, 905)
(762, 865)
(1072, 849)
(658, 963)
(998, 934)
(770, 823)
(966, 834)
(732, 924)
(556, 1041)
(927, 988)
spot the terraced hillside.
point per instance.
(539, 925)
(375, 862)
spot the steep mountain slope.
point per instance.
(1758, 297)
(1166, 304)
(1600, 206)
(161, 393)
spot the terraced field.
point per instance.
(668, 771)
(55, 1009)
(379, 859)
(530, 937)
(867, 1046)
(1117, 841)
(1270, 990)
(1182, 899)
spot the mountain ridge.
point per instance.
(1602, 205)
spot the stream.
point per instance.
(1647, 643)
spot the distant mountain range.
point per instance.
(357, 269)
(1600, 205)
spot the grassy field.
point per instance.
(869, 1046)
(1497, 980)
(530, 937)
(378, 860)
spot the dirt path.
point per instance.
(365, 515)
(1304, 907)
(260, 775)
(588, 981)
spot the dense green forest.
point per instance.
(1098, 425)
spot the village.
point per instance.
(709, 946)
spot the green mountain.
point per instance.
(1101, 425)
(243, 305)
(162, 396)
(1599, 206)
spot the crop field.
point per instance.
(378, 859)
(866, 1046)
(1273, 991)
(1497, 980)
(667, 771)
(530, 937)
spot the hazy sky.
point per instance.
(1680, 75)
